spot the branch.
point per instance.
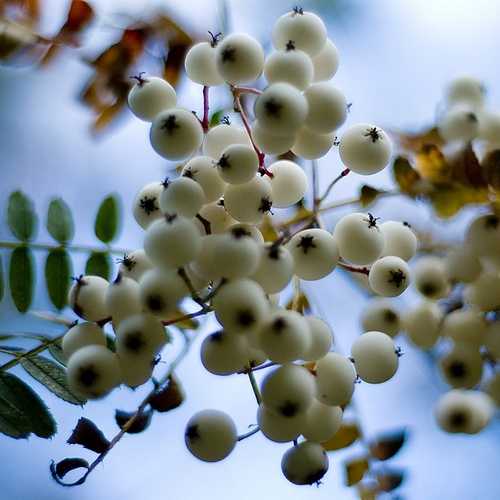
(255, 386)
(204, 122)
(140, 409)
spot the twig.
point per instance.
(140, 409)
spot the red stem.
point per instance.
(244, 118)
(204, 122)
(354, 269)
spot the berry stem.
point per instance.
(246, 90)
(249, 433)
(330, 187)
(354, 269)
(194, 294)
(205, 122)
(254, 385)
(246, 123)
(204, 310)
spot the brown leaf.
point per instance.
(355, 470)
(69, 464)
(169, 397)
(345, 436)
(390, 480)
(432, 164)
(466, 168)
(387, 445)
(18, 42)
(87, 434)
(368, 195)
(491, 168)
(406, 176)
(367, 492)
(415, 141)
(79, 16)
(141, 422)
(173, 64)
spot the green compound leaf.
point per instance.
(52, 376)
(60, 223)
(99, 264)
(22, 278)
(21, 216)
(58, 270)
(108, 219)
(2, 286)
(22, 412)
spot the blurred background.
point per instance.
(396, 57)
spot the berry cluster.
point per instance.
(458, 316)
(202, 240)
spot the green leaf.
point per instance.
(52, 376)
(22, 412)
(56, 352)
(22, 278)
(60, 223)
(58, 270)
(99, 264)
(21, 216)
(107, 219)
(2, 287)
(216, 118)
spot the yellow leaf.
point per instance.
(299, 303)
(366, 493)
(415, 142)
(345, 436)
(268, 230)
(432, 165)
(448, 200)
(405, 176)
(355, 470)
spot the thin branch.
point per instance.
(140, 409)
(260, 367)
(245, 90)
(315, 183)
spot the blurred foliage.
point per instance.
(106, 91)
(447, 178)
